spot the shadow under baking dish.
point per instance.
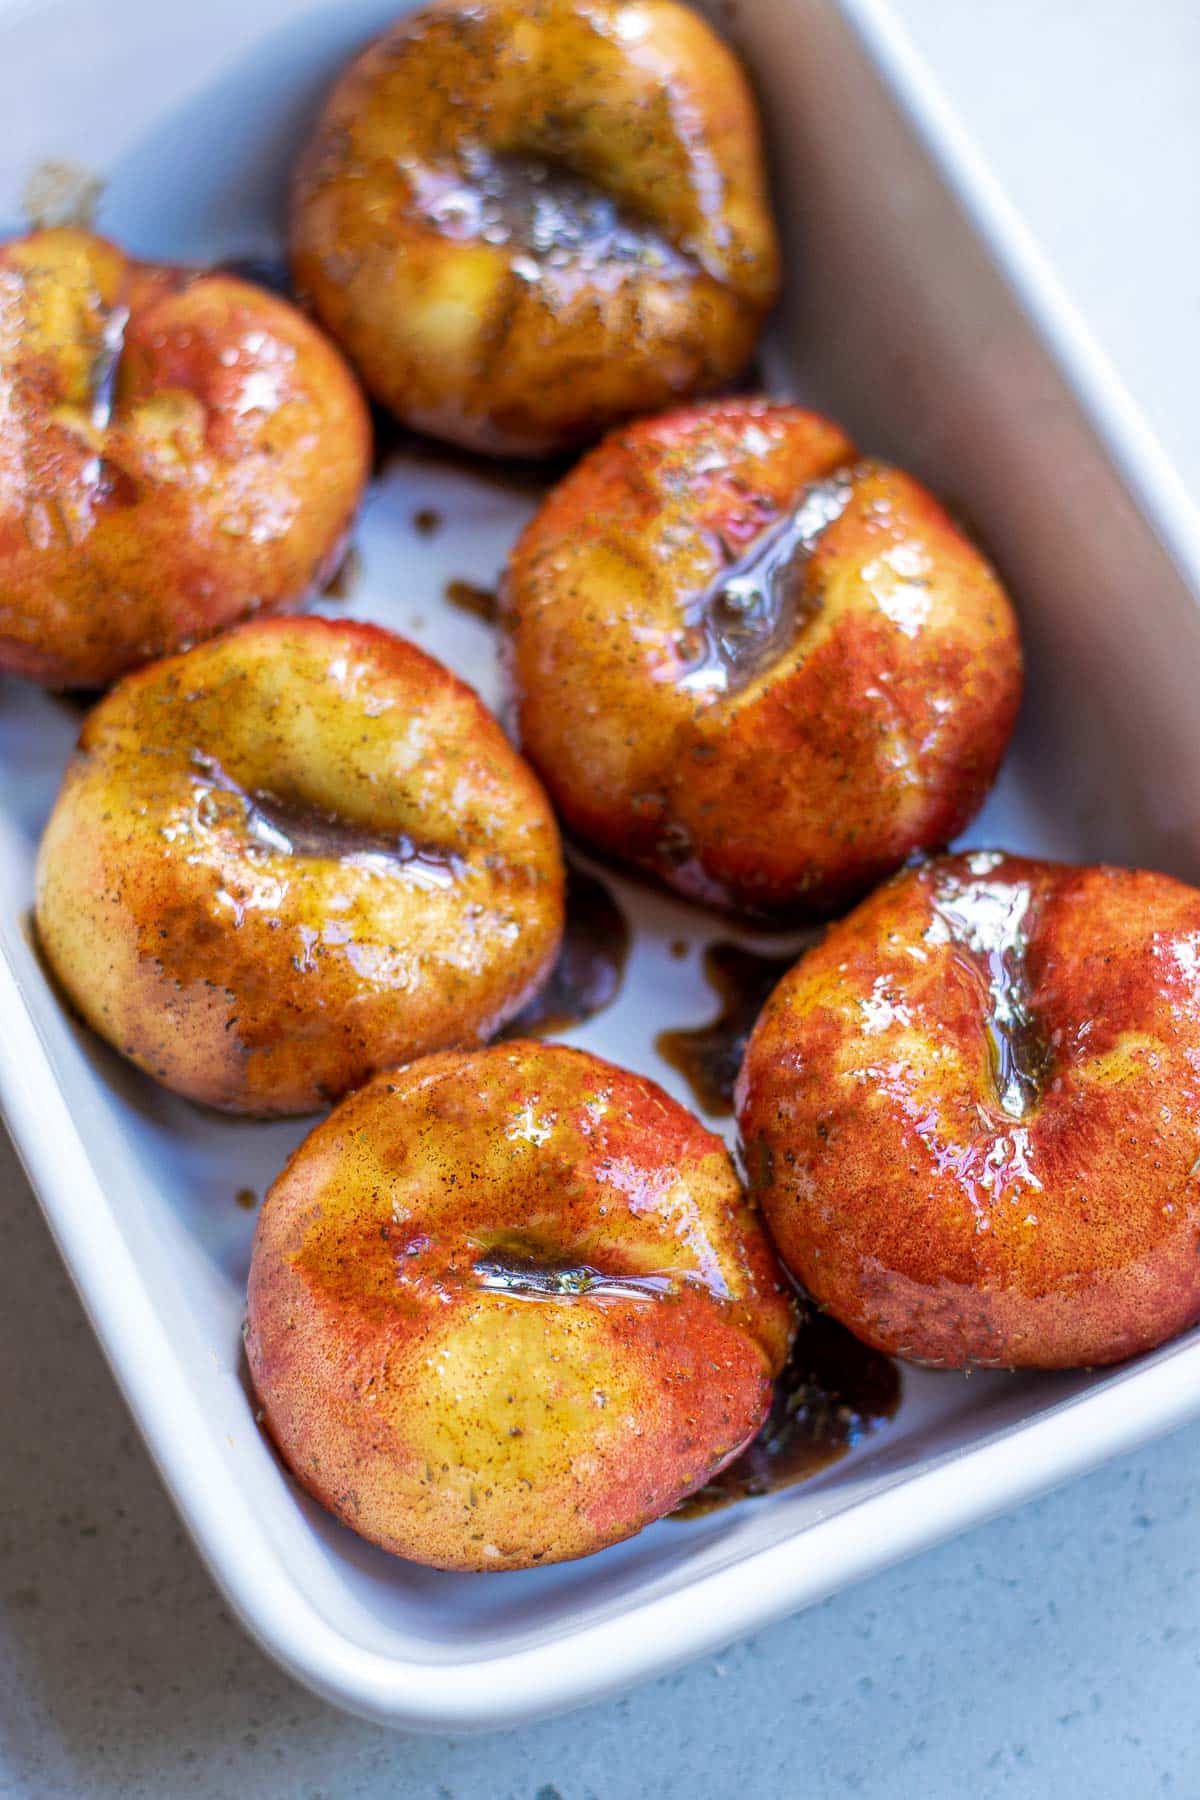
(898, 321)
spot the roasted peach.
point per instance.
(972, 1115)
(177, 450)
(527, 219)
(292, 856)
(754, 665)
(507, 1306)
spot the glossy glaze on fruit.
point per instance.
(177, 449)
(508, 1306)
(972, 1114)
(526, 219)
(750, 662)
(293, 856)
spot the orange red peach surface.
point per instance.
(971, 1115)
(508, 1306)
(178, 449)
(527, 219)
(750, 662)
(293, 856)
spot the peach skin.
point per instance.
(753, 665)
(527, 219)
(292, 856)
(972, 1114)
(177, 450)
(507, 1306)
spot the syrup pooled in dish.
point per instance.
(179, 449)
(591, 961)
(509, 1306)
(292, 856)
(753, 664)
(527, 219)
(970, 1115)
(832, 1394)
(709, 1056)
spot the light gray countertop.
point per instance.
(1055, 1650)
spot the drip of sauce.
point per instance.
(469, 598)
(552, 220)
(246, 1198)
(709, 1056)
(106, 364)
(833, 1392)
(427, 520)
(987, 923)
(291, 828)
(532, 1275)
(755, 609)
(270, 272)
(341, 583)
(78, 700)
(591, 963)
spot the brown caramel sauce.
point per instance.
(529, 1273)
(290, 827)
(756, 608)
(246, 1198)
(591, 963)
(344, 579)
(469, 598)
(102, 394)
(427, 520)
(709, 1056)
(833, 1392)
(270, 272)
(77, 700)
(551, 220)
(988, 922)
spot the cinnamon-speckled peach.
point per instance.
(292, 856)
(972, 1115)
(507, 1306)
(527, 219)
(177, 450)
(754, 665)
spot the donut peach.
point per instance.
(291, 856)
(527, 219)
(972, 1115)
(177, 450)
(507, 1306)
(750, 663)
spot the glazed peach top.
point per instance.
(528, 218)
(507, 1306)
(973, 1113)
(754, 664)
(176, 449)
(292, 856)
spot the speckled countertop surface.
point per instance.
(1053, 1651)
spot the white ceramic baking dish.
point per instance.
(918, 314)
